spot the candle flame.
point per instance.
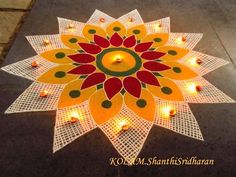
(123, 125)
(157, 26)
(46, 41)
(192, 88)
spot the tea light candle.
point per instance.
(172, 112)
(35, 64)
(198, 88)
(46, 41)
(71, 25)
(198, 61)
(43, 94)
(124, 125)
(130, 19)
(102, 20)
(74, 119)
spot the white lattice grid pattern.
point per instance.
(37, 42)
(97, 15)
(30, 99)
(64, 26)
(153, 27)
(65, 131)
(175, 39)
(183, 122)
(130, 142)
(24, 69)
(208, 94)
(134, 15)
(209, 63)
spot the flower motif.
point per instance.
(120, 75)
(119, 61)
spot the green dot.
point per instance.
(176, 69)
(166, 90)
(157, 39)
(122, 91)
(92, 31)
(74, 93)
(60, 55)
(116, 28)
(172, 52)
(73, 40)
(136, 31)
(99, 86)
(141, 103)
(106, 104)
(60, 74)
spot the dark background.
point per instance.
(26, 139)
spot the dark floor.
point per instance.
(26, 139)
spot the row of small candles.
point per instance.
(123, 125)
(179, 40)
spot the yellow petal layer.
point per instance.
(90, 30)
(158, 39)
(72, 41)
(168, 90)
(72, 95)
(178, 71)
(58, 75)
(113, 27)
(58, 55)
(100, 111)
(139, 31)
(172, 53)
(146, 112)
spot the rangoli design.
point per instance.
(120, 75)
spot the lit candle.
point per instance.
(168, 111)
(157, 26)
(118, 59)
(198, 88)
(172, 112)
(183, 38)
(130, 19)
(198, 61)
(102, 20)
(179, 40)
(34, 64)
(71, 25)
(43, 94)
(193, 88)
(75, 117)
(46, 41)
(124, 125)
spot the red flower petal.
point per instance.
(133, 86)
(93, 79)
(101, 41)
(147, 77)
(143, 46)
(152, 55)
(90, 48)
(82, 58)
(83, 69)
(155, 66)
(116, 40)
(130, 41)
(112, 86)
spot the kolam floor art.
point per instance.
(122, 75)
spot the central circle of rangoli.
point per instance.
(118, 61)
